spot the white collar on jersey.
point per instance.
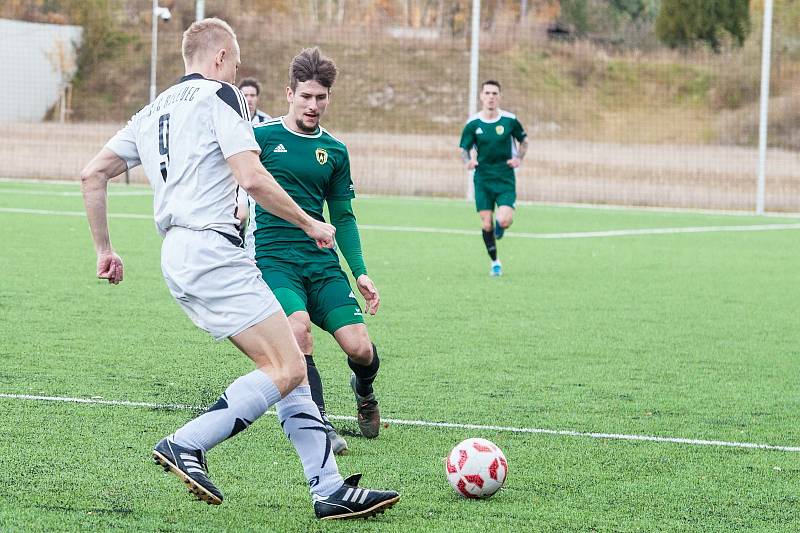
(479, 115)
(306, 135)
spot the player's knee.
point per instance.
(304, 340)
(360, 351)
(486, 224)
(505, 222)
(301, 328)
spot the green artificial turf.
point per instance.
(678, 335)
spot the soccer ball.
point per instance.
(476, 468)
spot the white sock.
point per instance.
(302, 423)
(243, 402)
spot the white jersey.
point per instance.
(259, 117)
(182, 139)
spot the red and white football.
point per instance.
(476, 468)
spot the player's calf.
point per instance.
(338, 444)
(362, 357)
(503, 222)
(369, 418)
(499, 230)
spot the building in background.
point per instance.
(43, 60)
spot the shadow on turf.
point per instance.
(88, 511)
(348, 430)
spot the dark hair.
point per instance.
(492, 82)
(309, 65)
(251, 82)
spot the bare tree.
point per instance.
(340, 12)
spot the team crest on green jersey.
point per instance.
(322, 156)
(499, 129)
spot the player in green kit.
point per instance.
(492, 133)
(314, 168)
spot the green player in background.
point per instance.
(314, 168)
(488, 147)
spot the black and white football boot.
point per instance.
(190, 466)
(350, 501)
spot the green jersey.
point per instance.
(494, 142)
(311, 168)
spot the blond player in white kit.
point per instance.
(196, 145)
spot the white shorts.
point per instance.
(218, 286)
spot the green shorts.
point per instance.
(314, 283)
(488, 194)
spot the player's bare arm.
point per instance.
(94, 185)
(254, 178)
(522, 149)
(468, 160)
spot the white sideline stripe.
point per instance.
(601, 207)
(595, 234)
(30, 192)
(23, 211)
(450, 231)
(97, 401)
(435, 199)
(655, 209)
(448, 425)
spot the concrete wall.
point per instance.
(37, 59)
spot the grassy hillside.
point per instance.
(559, 90)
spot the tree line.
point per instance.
(674, 23)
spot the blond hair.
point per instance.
(204, 36)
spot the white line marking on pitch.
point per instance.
(601, 207)
(425, 423)
(146, 191)
(449, 231)
(23, 211)
(596, 234)
(27, 192)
